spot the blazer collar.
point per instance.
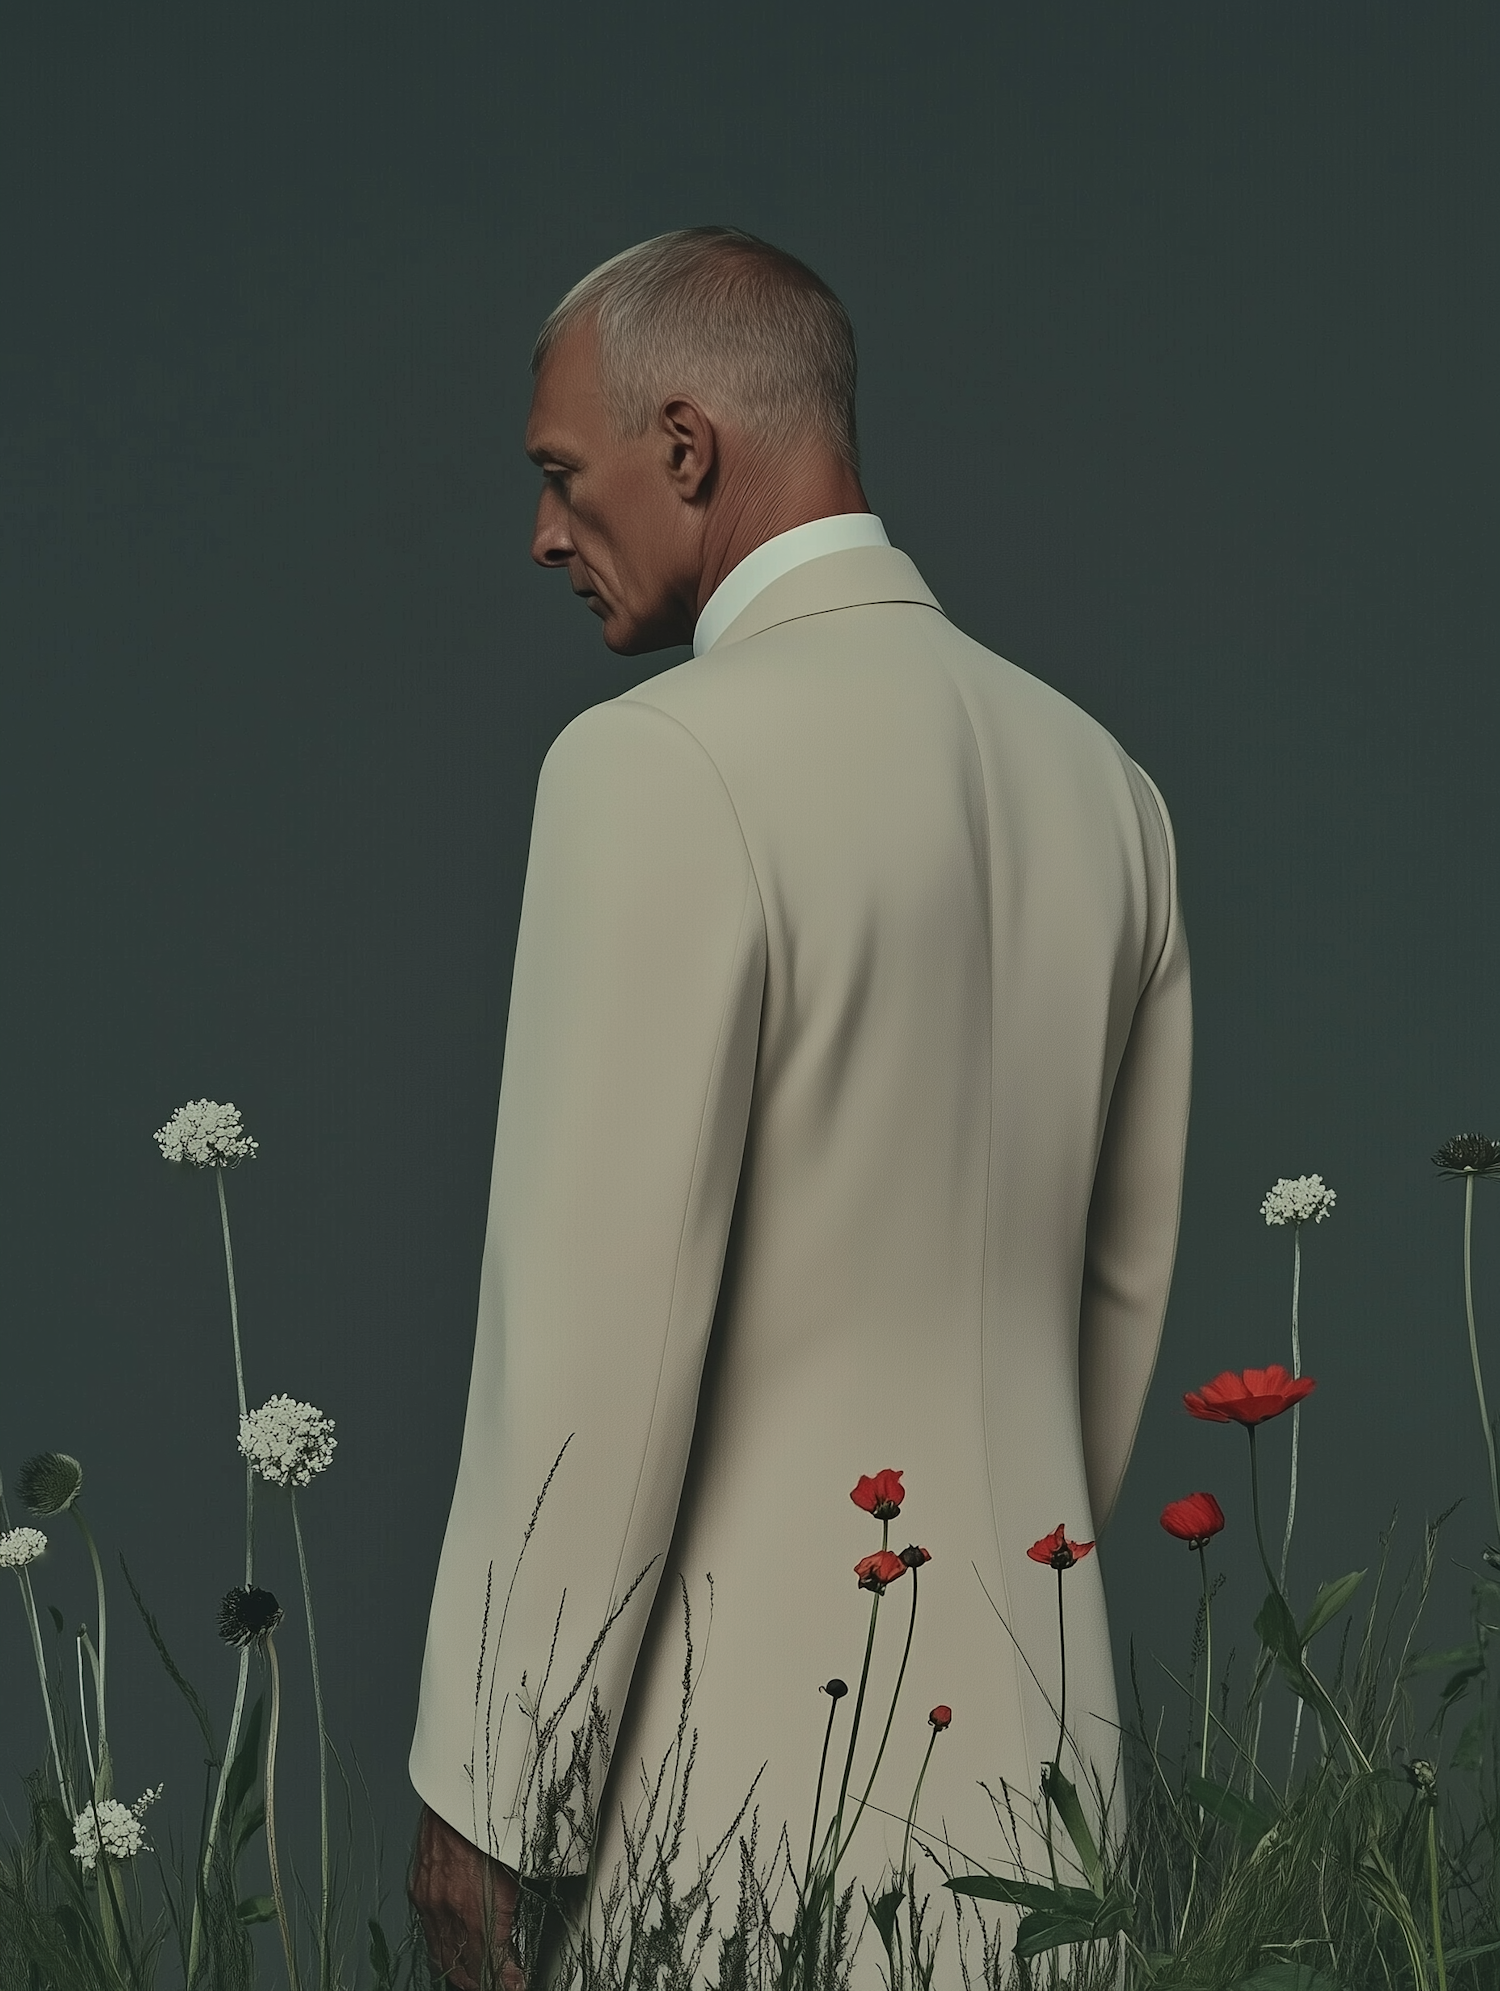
(857, 578)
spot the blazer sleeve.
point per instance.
(1137, 1194)
(629, 1061)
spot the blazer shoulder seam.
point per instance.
(678, 725)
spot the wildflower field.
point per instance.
(1330, 1825)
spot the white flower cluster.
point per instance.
(287, 1442)
(119, 1825)
(1298, 1201)
(205, 1134)
(20, 1546)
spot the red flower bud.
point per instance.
(881, 1496)
(1057, 1550)
(940, 1718)
(1250, 1397)
(1193, 1520)
(876, 1571)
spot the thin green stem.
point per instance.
(239, 1377)
(218, 1806)
(244, 1669)
(287, 1944)
(911, 1625)
(99, 1664)
(812, 1837)
(1208, 1689)
(83, 1708)
(1291, 1501)
(916, 1798)
(1062, 1667)
(1484, 1414)
(312, 1647)
(836, 1829)
(1208, 1656)
(1432, 1884)
(28, 1604)
(1260, 1540)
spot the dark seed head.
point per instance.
(835, 1689)
(50, 1482)
(1468, 1154)
(248, 1616)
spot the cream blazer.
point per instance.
(841, 1127)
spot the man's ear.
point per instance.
(692, 448)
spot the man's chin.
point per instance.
(632, 639)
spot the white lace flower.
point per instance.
(204, 1134)
(1300, 1200)
(119, 1826)
(20, 1546)
(287, 1442)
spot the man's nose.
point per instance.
(551, 542)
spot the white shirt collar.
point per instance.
(778, 556)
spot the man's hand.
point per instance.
(450, 1879)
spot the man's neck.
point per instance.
(753, 509)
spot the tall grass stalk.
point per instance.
(243, 1674)
(288, 1939)
(97, 1658)
(1484, 1414)
(312, 1648)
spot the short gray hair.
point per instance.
(721, 315)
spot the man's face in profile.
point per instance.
(609, 511)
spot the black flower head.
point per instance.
(1468, 1154)
(50, 1482)
(914, 1557)
(248, 1616)
(835, 1689)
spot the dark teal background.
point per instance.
(1178, 338)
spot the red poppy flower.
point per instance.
(940, 1718)
(876, 1571)
(1249, 1398)
(1193, 1520)
(881, 1496)
(1057, 1550)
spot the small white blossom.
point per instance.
(119, 1825)
(20, 1546)
(205, 1134)
(1298, 1201)
(287, 1442)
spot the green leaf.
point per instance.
(255, 1908)
(1330, 1600)
(56, 1617)
(1049, 1928)
(1076, 1902)
(1247, 1820)
(245, 1826)
(381, 1960)
(184, 1687)
(1430, 1662)
(1278, 1632)
(245, 1768)
(1042, 1931)
(1061, 1794)
(1466, 1956)
(883, 1913)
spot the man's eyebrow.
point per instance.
(540, 454)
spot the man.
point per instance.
(841, 1128)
